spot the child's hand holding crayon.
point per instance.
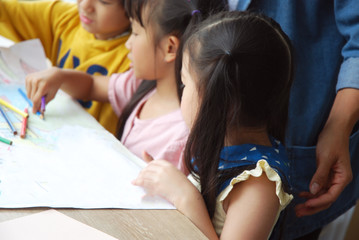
(41, 84)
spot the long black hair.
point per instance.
(243, 67)
(168, 17)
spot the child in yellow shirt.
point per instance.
(89, 37)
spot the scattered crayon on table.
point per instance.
(23, 126)
(8, 121)
(13, 108)
(4, 140)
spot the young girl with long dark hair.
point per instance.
(237, 73)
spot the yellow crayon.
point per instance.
(11, 107)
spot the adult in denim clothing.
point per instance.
(324, 105)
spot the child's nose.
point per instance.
(86, 5)
(128, 43)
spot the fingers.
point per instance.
(146, 175)
(328, 197)
(320, 178)
(28, 85)
(37, 97)
(32, 89)
(324, 198)
(144, 179)
(37, 85)
(149, 179)
(303, 210)
(150, 176)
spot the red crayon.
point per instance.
(24, 125)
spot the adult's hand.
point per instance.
(332, 175)
(334, 171)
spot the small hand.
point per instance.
(161, 178)
(38, 84)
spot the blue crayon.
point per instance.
(11, 126)
(23, 94)
(25, 97)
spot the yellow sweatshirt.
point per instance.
(67, 44)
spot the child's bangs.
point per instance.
(134, 10)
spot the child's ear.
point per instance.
(171, 48)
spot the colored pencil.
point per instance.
(25, 97)
(23, 94)
(11, 107)
(11, 126)
(42, 110)
(4, 140)
(23, 126)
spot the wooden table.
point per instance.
(124, 223)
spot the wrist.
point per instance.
(345, 111)
(64, 75)
(187, 196)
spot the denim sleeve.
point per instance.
(347, 19)
(232, 4)
(240, 5)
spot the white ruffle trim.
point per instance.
(261, 166)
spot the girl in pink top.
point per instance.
(150, 120)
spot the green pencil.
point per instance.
(4, 140)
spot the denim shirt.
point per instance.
(325, 36)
